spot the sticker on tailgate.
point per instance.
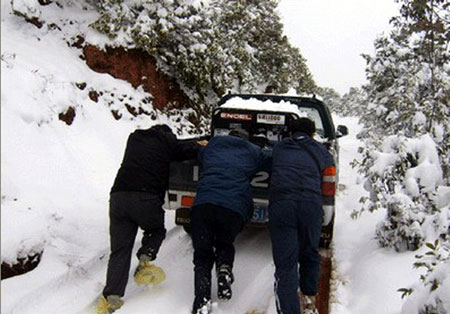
(236, 116)
(270, 118)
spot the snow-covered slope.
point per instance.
(56, 180)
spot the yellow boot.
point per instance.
(109, 304)
(146, 273)
(308, 304)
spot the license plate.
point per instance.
(260, 215)
(270, 118)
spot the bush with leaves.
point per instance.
(430, 296)
(403, 177)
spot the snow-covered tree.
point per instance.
(210, 47)
(331, 97)
(353, 103)
(409, 77)
(408, 98)
(406, 155)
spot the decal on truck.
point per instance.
(236, 116)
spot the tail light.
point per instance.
(329, 181)
(187, 201)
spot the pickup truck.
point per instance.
(265, 117)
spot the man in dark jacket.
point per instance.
(136, 201)
(222, 205)
(295, 215)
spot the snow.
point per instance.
(56, 178)
(267, 105)
(367, 276)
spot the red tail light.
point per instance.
(329, 181)
(187, 201)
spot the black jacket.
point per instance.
(145, 165)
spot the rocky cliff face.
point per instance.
(138, 68)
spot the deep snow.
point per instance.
(56, 179)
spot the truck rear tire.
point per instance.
(187, 229)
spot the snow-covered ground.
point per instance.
(55, 182)
(367, 276)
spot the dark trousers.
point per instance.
(295, 228)
(127, 212)
(214, 229)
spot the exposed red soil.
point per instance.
(138, 68)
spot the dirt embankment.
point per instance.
(138, 68)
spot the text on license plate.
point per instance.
(260, 215)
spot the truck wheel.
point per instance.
(187, 229)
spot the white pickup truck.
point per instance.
(267, 115)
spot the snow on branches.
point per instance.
(406, 153)
(210, 47)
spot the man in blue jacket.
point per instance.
(222, 205)
(295, 216)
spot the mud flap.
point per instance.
(183, 216)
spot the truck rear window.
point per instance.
(262, 124)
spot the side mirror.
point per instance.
(341, 131)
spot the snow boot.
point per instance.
(308, 304)
(146, 273)
(224, 280)
(201, 306)
(109, 304)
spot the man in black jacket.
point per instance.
(136, 201)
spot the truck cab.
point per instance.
(265, 117)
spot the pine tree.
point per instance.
(353, 103)
(331, 97)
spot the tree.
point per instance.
(406, 133)
(409, 76)
(353, 103)
(407, 97)
(331, 97)
(210, 48)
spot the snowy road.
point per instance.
(53, 288)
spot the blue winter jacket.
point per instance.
(228, 164)
(295, 174)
